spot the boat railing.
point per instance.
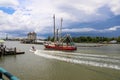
(7, 75)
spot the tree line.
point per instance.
(89, 39)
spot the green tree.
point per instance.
(118, 39)
(89, 39)
(49, 38)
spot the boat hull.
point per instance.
(56, 47)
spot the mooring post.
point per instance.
(2, 51)
(15, 50)
(1, 76)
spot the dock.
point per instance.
(10, 51)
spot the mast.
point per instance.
(61, 29)
(54, 27)
(57, 35)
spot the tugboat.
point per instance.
(60, 43)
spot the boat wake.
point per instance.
(81, 58)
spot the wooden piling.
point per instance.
(1, 76)
(15, 50)
(2, 51)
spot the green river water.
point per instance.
(87, 63)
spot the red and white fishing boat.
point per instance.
(70, 48)
(60, 43)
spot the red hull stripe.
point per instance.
(60, 47)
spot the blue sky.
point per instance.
(80, 17)
(7, 10)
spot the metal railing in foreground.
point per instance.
(7, 74)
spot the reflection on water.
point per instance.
(87, 63)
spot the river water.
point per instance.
(87, 63)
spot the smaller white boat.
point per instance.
(32, 49)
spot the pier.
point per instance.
(9, 51)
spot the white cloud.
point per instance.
(79, 30)
(36, 15)
(9, 3)
(115, 6)
(114, 28)
(2, 35)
